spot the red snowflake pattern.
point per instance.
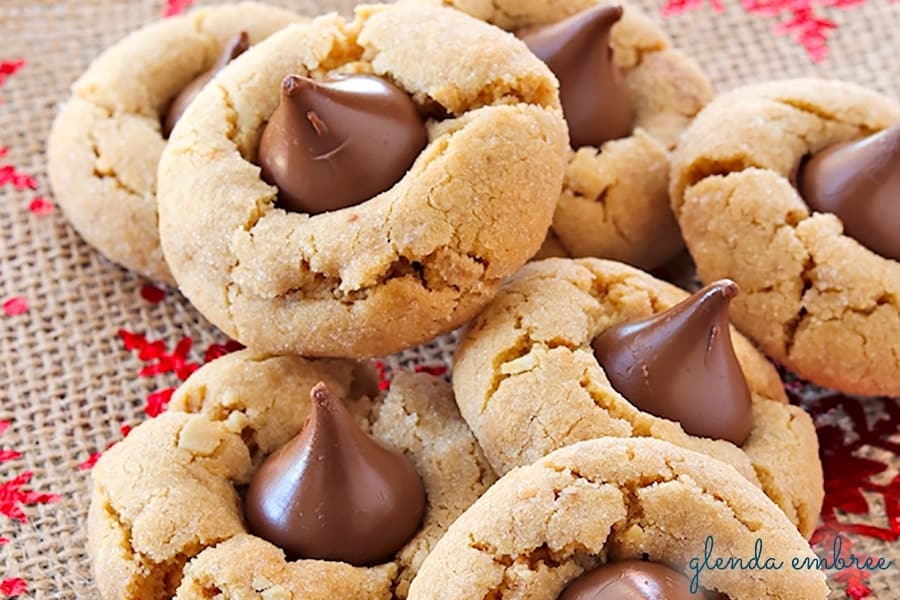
(436, 370)
(799, 18)
(7, 68)
(14, 586)
(849, 476)
(13, 497)
(674, 7)
(175, 7)
(89, 463)
(40, 207)
(13, 494)
(159, 361)
(7, 455)
(218, 350)
(19, 180)
(384, 380)
(16, 305)
(158, 401)
(152, 294)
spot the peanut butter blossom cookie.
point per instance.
(571, 350)
(106, 141)
(355, 188)
(281, 477)
(792, 189)
(613, 519)
(627, 95)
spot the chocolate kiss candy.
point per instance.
(679, 364)
(595, 100)
(631, 580)
(234, 48)
(335, 493)
(334, 144)
(860, 183)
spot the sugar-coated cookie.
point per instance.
(281, 266)
(544, 526)
(534, 372)
(625, 117)
(816, 296)
(168, 517)
(106, 141)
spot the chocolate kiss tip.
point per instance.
(321, 392)
(596, 103)
(604, 14)
(292, 83)
(726, 287)
(242, 45)
(322, 396)
(601, 17)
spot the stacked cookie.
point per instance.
(329, 190)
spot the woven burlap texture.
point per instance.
(68, 384)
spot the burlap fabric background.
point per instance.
(68, 384)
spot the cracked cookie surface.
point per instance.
(527, 381)
(105, 144)
(814, 299)
(166, 519)
(615, 199)
(542, 525)
(475, 205)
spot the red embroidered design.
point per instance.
(157, 401)
(384, 380)
(674, 7)
(88, 464)
(436, 370)
(20, 181)
(159, 361)
(152, 294)
(93, 458)
(853, 578)
(12, 500)
(218, 350)
(157, 355)
(15, 305)
(848, 477)
(13, 497)
(175, 7)
(801, 18)
(40, 207)
(8, 455)
(3, 151)
(14, 586)
(7, 68)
